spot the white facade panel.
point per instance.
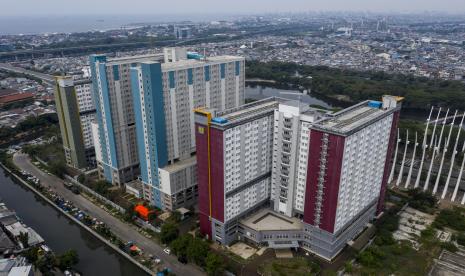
(362, 169)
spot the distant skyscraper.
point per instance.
(165, 95)
(182, 32)
(111, 80)
(281, 173)
(76, 111)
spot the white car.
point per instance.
(167, 251)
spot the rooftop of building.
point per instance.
(357, 116)
(16, 97)
(234, 116)
(134, 59)
(20, 270)
(180, 165)
(268, 220)
(184, 63)
(7, 91)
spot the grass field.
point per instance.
(294, 266)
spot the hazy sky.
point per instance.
(101, 7)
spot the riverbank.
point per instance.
(79, 223)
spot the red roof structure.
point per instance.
(13, 98)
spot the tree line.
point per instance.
(352, 86)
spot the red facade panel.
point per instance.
(334, 157)
(388, 165)
(312, 175)
(217, 173)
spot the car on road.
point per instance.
(68, 185)
(75, 190)
(167, 251)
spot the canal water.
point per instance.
(61, 234)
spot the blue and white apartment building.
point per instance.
(146, 118)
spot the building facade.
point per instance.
(327, 173)
(164, 96)
(234, 162)
(76, 111)
(119, 161)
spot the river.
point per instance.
(261, 92)
(61, 234)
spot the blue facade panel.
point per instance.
(115, 72)
(155, 124)
(93, 59)
(223, 70)
(171, 79)
(207, 73)
(135, 87)
(108, 119)
(157, 111)
(190, 76)
(238, 68)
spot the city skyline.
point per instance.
(145, 7)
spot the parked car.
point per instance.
(75, 190)
(167, 251)
(182, 259)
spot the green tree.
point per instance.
(168, 233)
(46, 263)
(81, 178)
(32, 254)
(130, 213)
(449, 246)
(24, 239)
(214, 264)
(101, 187)
(175, 216)
(197, 251)
(181, 245)
(68, 259)
(461, 239)
(57, 168)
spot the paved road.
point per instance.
(42, 76)
(125, 231)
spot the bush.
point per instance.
(452, 218)
(371, 257)
(214, 264)
(181, 245)
(422, 201)
(449, 246)
(461, 239)
(197, 251)
(68, 259)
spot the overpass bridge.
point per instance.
(18, 70)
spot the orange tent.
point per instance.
(143, 211)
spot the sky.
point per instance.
(109, 7)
